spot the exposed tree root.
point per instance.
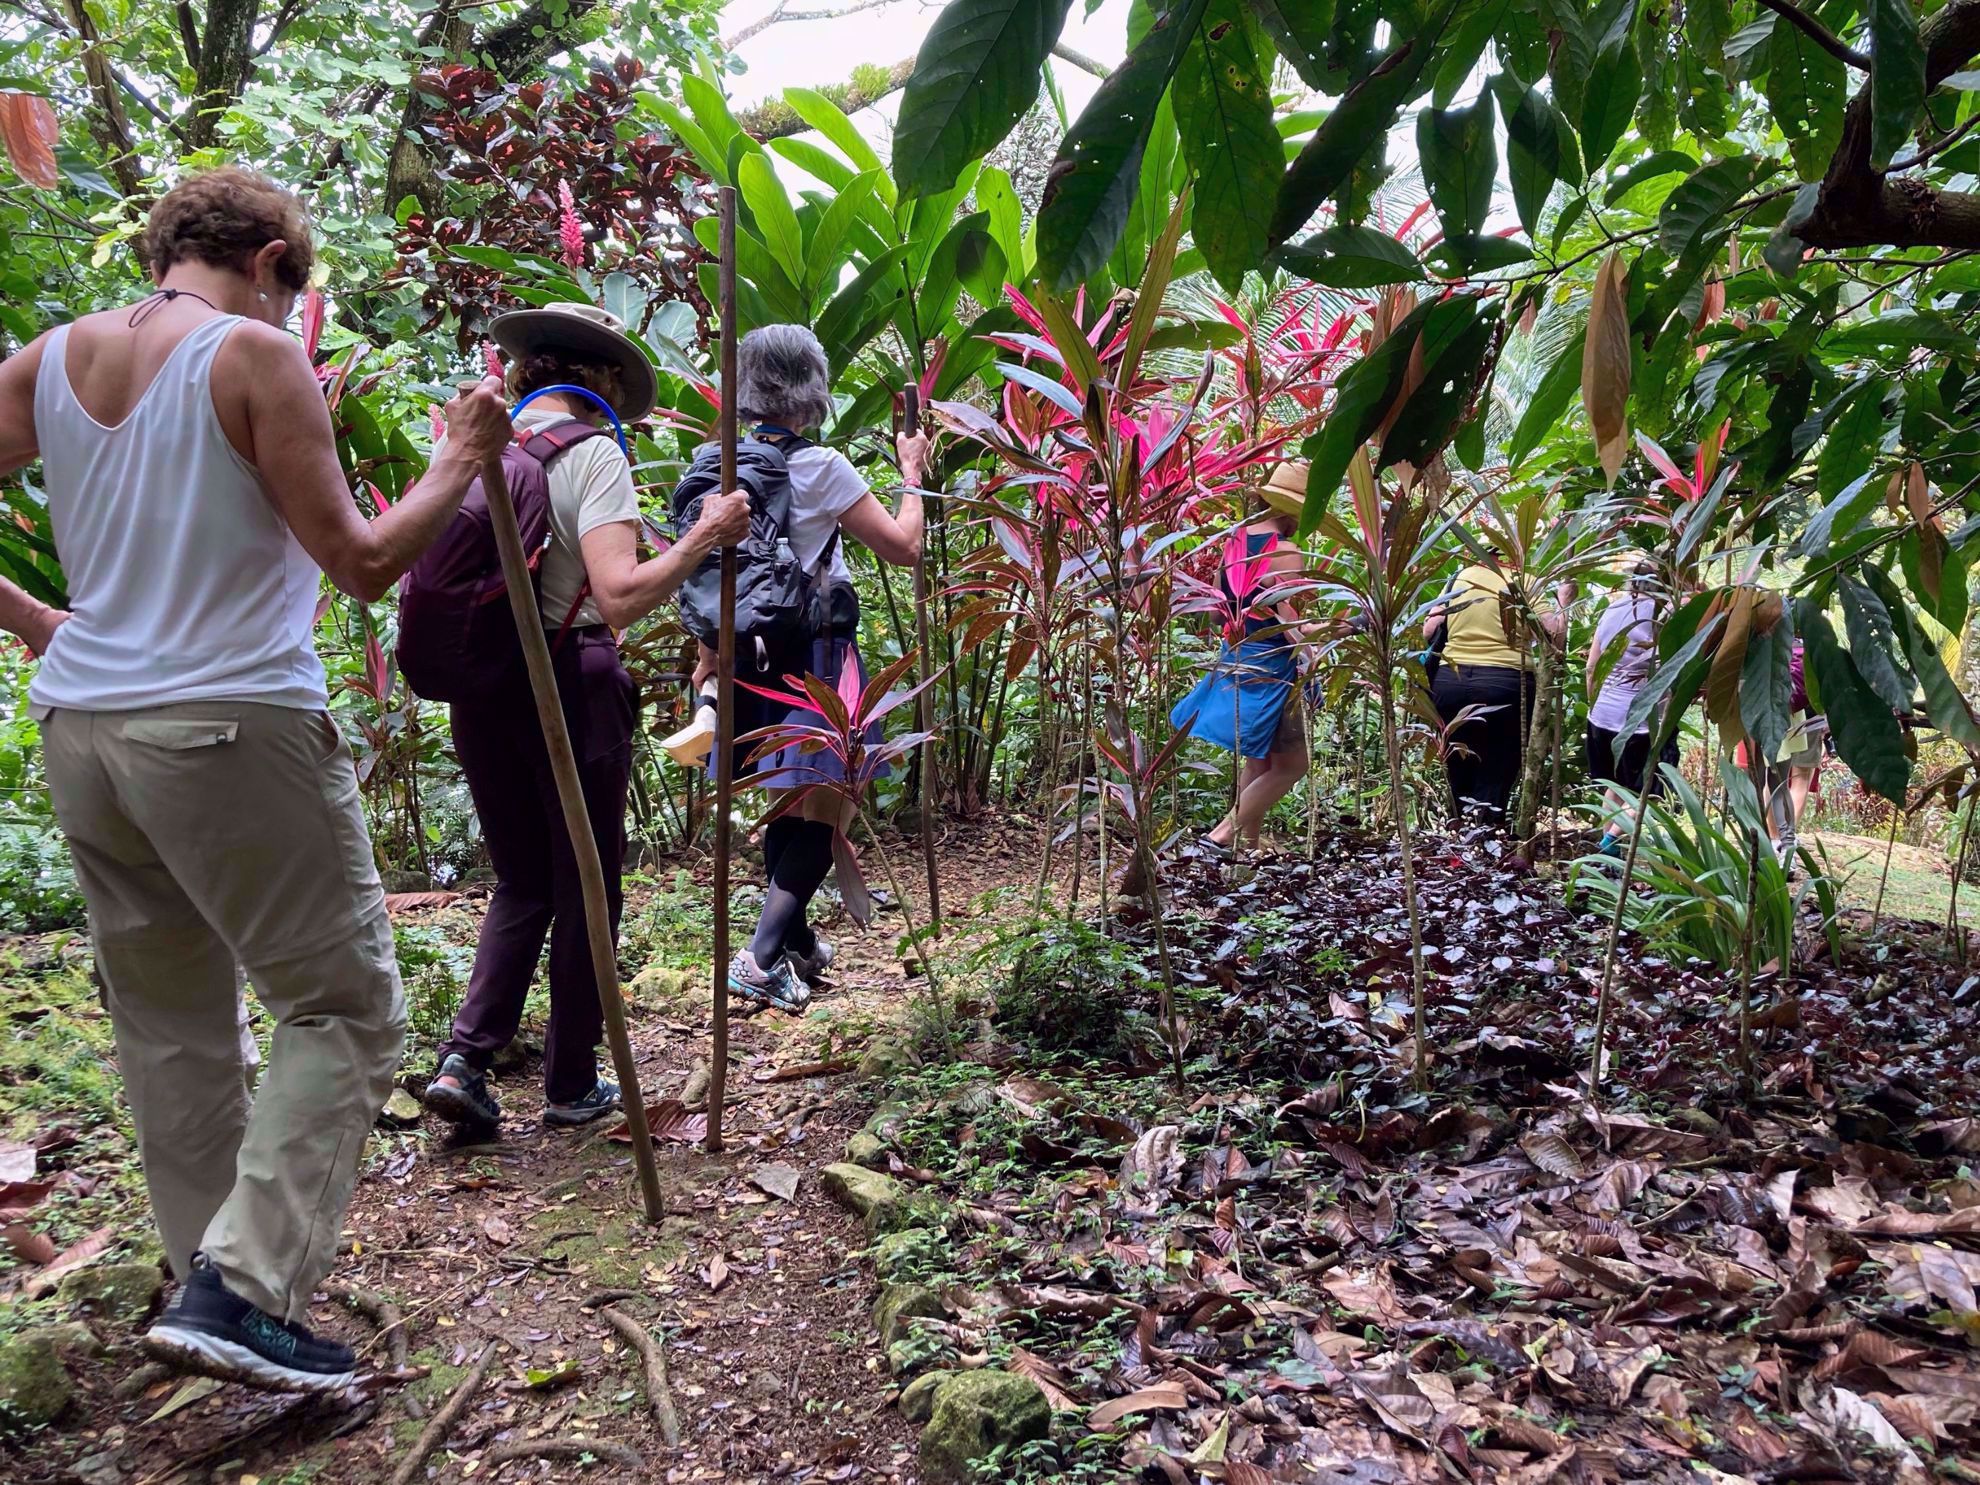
(659, 1395)
(435, 1433)
(391, 1323)
(571, 1448)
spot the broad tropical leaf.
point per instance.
(976, 75)
(1223, 104)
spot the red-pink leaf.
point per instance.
(29, 131)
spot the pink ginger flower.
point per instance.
(491, 358)
(570, 231)
(439, 422)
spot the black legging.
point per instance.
(1483, 762)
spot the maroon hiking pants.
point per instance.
(502, 753)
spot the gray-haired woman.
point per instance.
(783, 389)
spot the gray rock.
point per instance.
(900, 1303)
(35, 1387)
(401, 1111)
(658, 984)
(125, 1292)
(918, 1397)
(913, 1250)
(868, 1150)
(974, 1414)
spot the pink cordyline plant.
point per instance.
(1704, 464)
(844, 713)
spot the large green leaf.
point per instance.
(859, 309)
(1852, 438)
(830, 120)
(976, 75)
(1805, 92)
(1092, 183)
(1873, 642)
(827, 250)
(1944, 703)
(1154, 199)
(1460, 162)
(1300, 30)
(775, 219)
(1451, 366)
(958, 260)
(1533, 146)
(1549, 400)
(997, 196)
(1367, 112)
(1694, 214)
(1840, 516)
(1897, 77)
(1223, 103)
(1615, 82)
(1867, 733)
(1766, 687)
(1362, 399)
(1352, 258)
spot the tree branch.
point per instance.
(188, 33)
(1820, 34)
(775, 119)
(226, 54)
(1083, 62)
(781, 12)
(1859, 205)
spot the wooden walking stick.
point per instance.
(725, 689)
(584, 845)
(925, 703)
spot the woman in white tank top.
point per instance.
(207, 798)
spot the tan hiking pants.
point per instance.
(204, 834)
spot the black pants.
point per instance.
(1484, 756)
(1605, 766)
(537, 887)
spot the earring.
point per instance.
(264, 297)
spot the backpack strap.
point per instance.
(543, 445)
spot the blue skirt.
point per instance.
(1248, 686)
(791, 767)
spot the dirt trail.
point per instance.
(764, 1312)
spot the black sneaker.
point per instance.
(600, 1101)
(460, 1095)
(211, 1330)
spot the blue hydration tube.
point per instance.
(618, 428)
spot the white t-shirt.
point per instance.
(824, 486)
(591, 485)
(1636, 612)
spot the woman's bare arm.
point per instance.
(294, 449)
(627, 589)
(28, 617)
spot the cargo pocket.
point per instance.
(181, 734)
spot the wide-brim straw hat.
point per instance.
(587, 333)
(1285, 488)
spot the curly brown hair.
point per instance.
(223, 218)
(538, 369)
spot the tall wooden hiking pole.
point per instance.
(584, 846)
(925, 704)
(725, 691)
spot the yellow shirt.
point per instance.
(1478, 634)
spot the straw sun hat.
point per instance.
(590, 334)
(1285, 487)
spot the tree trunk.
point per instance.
(1533, 762)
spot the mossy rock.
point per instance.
(896, 1256)
(868, 1150)
(124, 1292)
(974, 1415)
(35, 1386)
(886, 1058)
(918, 1397)
(662, 984)
(900, 1303)
(861, 1191)
(887, 1122)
